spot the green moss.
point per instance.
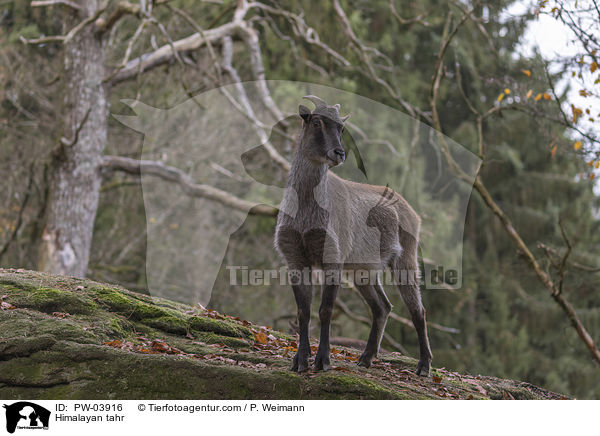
(220, 327)
(213, 338)
(352, 386)
(50, 300)
(24, 346)
(67, 330)
(119, 328)
(399, 360)
(13, 323)
(114, 300)
(169, 324)
(137, 310)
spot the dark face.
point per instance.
(321, 139)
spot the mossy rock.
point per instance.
(68, 338)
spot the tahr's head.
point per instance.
(322, 129)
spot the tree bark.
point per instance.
(75, 178)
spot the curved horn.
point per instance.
(345, 118)
(316, 100)
(337, 106)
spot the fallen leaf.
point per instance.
(116, 343)
(260, 337)
(160, 346)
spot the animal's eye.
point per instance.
(316, 123)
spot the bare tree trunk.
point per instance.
(75, 179)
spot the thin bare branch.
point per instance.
(41, 3)
(69, 36)
(122, 9)
(419, 19)
(71, 142)
(165, 53)
(246, 108)
(189, 187)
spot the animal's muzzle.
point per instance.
(338, 155)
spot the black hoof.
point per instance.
(299, 364)
(422, 369)
(322, 362)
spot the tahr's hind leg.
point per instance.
(380, 307)
(412, 298)
(406, 273)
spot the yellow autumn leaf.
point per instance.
(576, 113)
(593, 66)
(597, 165)
(537, 97)
(506, 91)
(553, 151)
(527, 73)
(546, 96)
(500, 97)
(591, 163)
(577, 145)
(529, 94)
(592, 176)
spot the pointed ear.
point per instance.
(304, 112)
